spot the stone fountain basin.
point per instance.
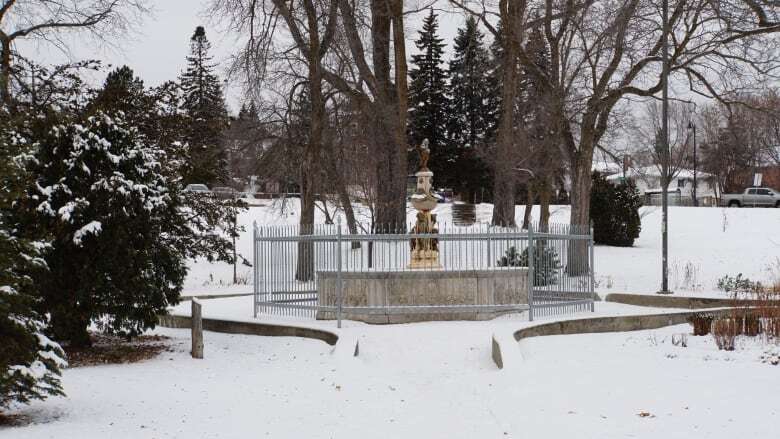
(383, 297)
(424, 202)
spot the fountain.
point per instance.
(423, 290)
(425, 251)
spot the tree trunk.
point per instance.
(580, 213)
(391, 178)
(341, 190)
(504, 162)
(545, 192)
(304, 270)
(5, 71)
(529, 206)
(390, 125)
(311, 159)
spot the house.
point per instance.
(766, 173)
(648, 181)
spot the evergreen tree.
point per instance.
(614, 211)
(29, 362)
(204, 106)
(123, 91)
(536, 101)
(428, 102)
(170, 129)
(107, 200)
(101, 195)
(243, 146)
(473, 110)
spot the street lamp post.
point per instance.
(692, 126)
(665, 154)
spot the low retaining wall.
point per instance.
(680, 302)
(214, 296)
(250, 328)
(594, 325)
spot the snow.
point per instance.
(654, 171)
(633, 384)
(437, 379)
(705, 244)
(92, 228)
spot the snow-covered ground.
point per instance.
(705, 244)
(437, 379)
(430, 380)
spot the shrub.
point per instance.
(739, 285)
(701, 323)
(752, 325)
(119, 229)
(614, 211)
(725, 331)
(546, 263)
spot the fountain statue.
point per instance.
(425, 251)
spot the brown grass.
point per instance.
(108, 349)
(14, 420)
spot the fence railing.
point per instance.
(322, 271)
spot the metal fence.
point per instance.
(678, 199)
(325, 272)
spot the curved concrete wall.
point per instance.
(251, 328)
(658, 301)
(592, 325)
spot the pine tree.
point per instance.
(204, 106)
(428, 102)
(29, 362)
(122, 91)
(473, 110)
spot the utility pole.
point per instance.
(665, 154)
(692, 126)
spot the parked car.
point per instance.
(224, 192)
(752, 197)
(197, 188)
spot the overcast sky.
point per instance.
(157, 52)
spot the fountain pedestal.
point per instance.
(424, 251)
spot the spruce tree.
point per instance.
(204, 107)
(29, 362)
(473, 110)
(428, 102)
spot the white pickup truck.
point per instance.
(752, 197)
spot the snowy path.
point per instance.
(422, 380)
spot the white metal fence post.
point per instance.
(338, 273)
(592, 262)
(255, 269)
(531, 276)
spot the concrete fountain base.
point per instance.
(424, 295)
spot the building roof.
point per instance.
(653, 171)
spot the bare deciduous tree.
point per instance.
(603, 52)
(50, 20)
